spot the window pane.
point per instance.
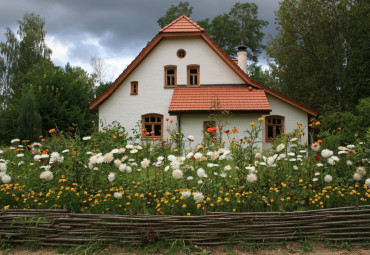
(148, 128)
(173, 80)
(170, 71)
(193, 71)
(146, 119)
(158, 119)
(195, 80)
(157, 130)
(273, 121)
(278, 131)
(168, 80)
(152, 119)
(279, 121)
(191, 80)
(270, 132)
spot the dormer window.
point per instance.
(134, 88)
(170, 76)
(193, 76)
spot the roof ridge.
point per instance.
(178, 25)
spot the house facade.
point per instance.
(184, 76)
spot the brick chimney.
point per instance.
(242, 57)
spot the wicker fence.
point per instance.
(58, 227)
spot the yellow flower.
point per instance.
(300, 180)
(184, 206)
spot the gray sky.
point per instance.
(114, 30)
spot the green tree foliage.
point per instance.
(101, 88)
(322, 52)
(265, 76)
(174, 12)
(18, 56)
(241, 24)
(29, 119)
(338, 128)
(63, 95)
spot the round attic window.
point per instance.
(181, 53)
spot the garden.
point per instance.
(112, 172)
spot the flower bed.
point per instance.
(113, 173)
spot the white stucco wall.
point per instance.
(292, 116)
(152, 97)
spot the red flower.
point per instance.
(317, 158)
(167, 119)
(171, 121)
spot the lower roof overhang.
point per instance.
(250, 112)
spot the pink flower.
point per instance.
(315, 146)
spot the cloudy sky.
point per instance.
(114, 30)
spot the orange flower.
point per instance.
(220, 127)
(114, 137)
(120, 135)
(42, 140)
(52, 130)
(319, 141)
(261, 119)
(45, 151)
(210, 130)
(317, 123)
(252, 124)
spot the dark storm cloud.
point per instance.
(121, 27)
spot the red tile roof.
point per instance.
(228, 98)
(182, 24)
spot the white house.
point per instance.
(183, 75)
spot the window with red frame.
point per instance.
(134, 88)
(152, 125)
(274, 126)
(170, 76)
(193, 76)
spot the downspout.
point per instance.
(179, 122)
